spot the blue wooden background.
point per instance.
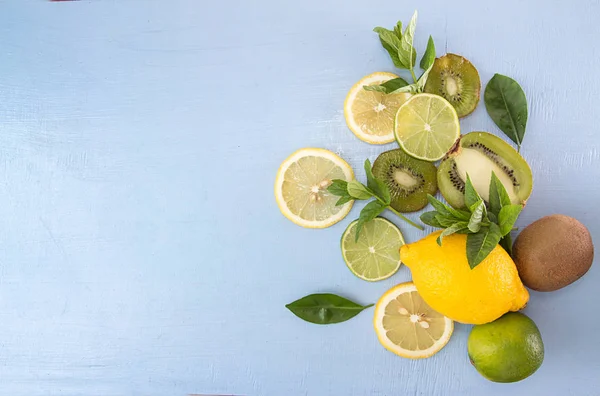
(141, 249)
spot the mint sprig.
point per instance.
(399, 46)
(375, 188)
(485, 225)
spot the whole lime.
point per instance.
(508, 349)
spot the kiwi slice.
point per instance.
(456, 79)
(409, 179)
(478, 154)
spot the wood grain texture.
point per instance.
(142, 252)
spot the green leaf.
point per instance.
(429, 219)
(479, 245)
(471, 195)
(379, 188)
(429, 55)
(411, 88)
(506, 104)
(392, 45)
(438, 205)
(507, 217)
(454, 228)
(358, 191)
(506, 243)
(338, 187)
(407, 54)
(368, 213)
(459, 213)
(388, 86)
(477, 215)
(344, 200)
(325, 308)
(398, 30)
(423, 79)
(498, 195)
(445, 221)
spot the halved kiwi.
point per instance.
(478, 154)
(409, 179)
(457, 80)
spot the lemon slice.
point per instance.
(369, 114)
(301, 187)
(376, 255)
(407, 326)
(427, 127)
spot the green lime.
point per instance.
(508, 349)
(426, 126)
(376, 255)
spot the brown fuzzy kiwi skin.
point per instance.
(553, 252)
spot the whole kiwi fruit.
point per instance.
(553, 252)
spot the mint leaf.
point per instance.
(338, 187)
(423, 79)
(479, 245)
(429, 55)
(507, 217)
(429, 219)
(471, 195)
(498, 195)
(506, 243)
(369, 212)
(438, 205)
(407, 54)
(388, 86)
(454, 228)
(358, 191)
(412, 88)
(506, 104)
(477, 215)
(344, 200)
(379, 188)
(398, 30)
(445, 221)
(392, 44)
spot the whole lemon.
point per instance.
(507, 350)
(446, 282)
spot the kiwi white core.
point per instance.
(451, 86)
(480, 168)
(404, 178)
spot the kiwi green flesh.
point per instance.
(409, 179)
(457, 80)
(478, 154)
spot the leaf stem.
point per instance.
(412, 72)
(394, 211)
(412, 223)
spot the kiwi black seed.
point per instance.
(457, 80)
(409, 179)
(478, 154)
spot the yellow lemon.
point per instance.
(446, 282)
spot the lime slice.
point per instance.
(407, 326)
(376, 255)
(369, 114)
(426, 126)
(301, 187)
